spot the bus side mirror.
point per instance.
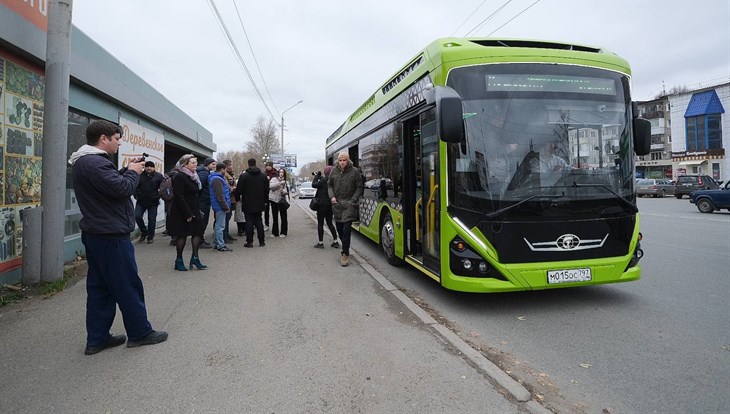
(642, 136)
(449, 113)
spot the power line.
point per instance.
(483, 22)
(245, 34)
(518, 15)
(223, 27)
(472, 13)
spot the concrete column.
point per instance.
(32, 234)
(55, 138)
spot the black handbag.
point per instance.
(314, 204)
(283, 204)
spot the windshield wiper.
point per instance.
(623, 201)
(497, 213)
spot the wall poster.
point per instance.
(21, 148)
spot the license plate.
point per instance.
(569, 275)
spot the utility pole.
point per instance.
(282, 125)
(55, 138)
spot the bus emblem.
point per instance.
(568, 241)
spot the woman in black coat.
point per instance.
(324, 211)
(184, 218)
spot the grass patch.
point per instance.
(9, 298)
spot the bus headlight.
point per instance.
(465, 261)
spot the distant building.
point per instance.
(701, 132)
(101, 87)
(658, 163)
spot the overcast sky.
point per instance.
(333, 54)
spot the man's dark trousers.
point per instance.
(205, 217)
(148, 230)
(254, 220)
(112, 279)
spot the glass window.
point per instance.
(714, 132)
(691, 134)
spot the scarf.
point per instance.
(193, 176)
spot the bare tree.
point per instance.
(238, 158)
(307, 169)
(264, 138)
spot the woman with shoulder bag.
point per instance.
(278, 193)
(324, 209)
(184, 218)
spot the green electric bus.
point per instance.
(495, 165)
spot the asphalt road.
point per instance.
(658, 345)
(278, 329)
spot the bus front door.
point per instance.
(423, 205)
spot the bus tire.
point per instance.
(387, 240)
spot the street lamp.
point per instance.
(282, 125)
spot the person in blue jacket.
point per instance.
(104, 197)
(220, 200)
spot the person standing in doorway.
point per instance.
(203, 172)
(107, 220)
(252, 190)
(148, 199)
(344, 187)
(324, 210)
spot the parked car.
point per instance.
(306, 190)
(688, 183)
(708, 201)
(654, 187)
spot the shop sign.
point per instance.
(34, 11)
(137, 140)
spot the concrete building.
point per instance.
(101, 87)
(658, 163)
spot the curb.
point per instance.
(514, 388)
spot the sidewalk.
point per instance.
(275, 329)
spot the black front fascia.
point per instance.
(510, 237)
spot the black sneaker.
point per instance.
(205, 245)
(262, 244)
(249, 245)
(223, 249)
(142, 238)
(113, 341)
(319, 246)
(335, 244)
(154, 337)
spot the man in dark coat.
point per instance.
(344, 186)
(252, 191)
(148, 199)
(104, 197)
(204, 196)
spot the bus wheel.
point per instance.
(387, 241)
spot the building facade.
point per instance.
(101, 87)
(701, 132)
(658, 163)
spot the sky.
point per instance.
(333, 54)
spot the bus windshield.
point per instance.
(542, 132)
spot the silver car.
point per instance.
(654, 187)
(306, 190)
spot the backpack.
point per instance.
(165, 189)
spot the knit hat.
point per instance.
(149, 164)
(208, 161)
